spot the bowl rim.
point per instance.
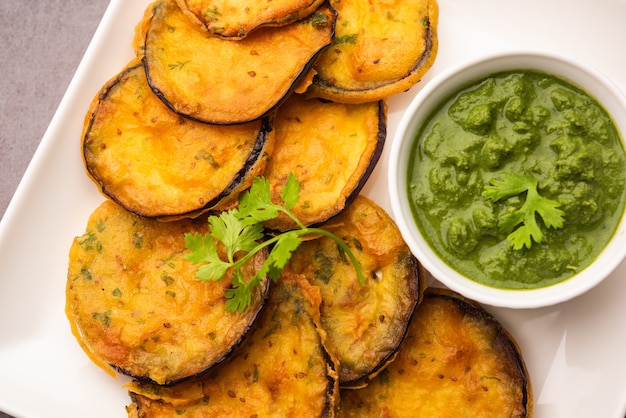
(440, 87)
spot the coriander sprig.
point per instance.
(508, 185)
(241, 232)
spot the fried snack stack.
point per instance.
(135, 306)
(187, 124)
(219, 93)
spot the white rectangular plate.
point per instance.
(574, 351)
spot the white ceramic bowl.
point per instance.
(429, 98)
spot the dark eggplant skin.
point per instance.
(366, 321)
(504, 342)
(456, 360)
(363, 379)
(132, 297)
(285, 367)
(393, 65)
(299, 120)
(237, 26)
(234, 348)
(378, 152)
(208, 187)
(382, 138)
(243, 179)
(235, 115)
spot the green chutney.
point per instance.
(525, 123)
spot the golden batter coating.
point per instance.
(456, 361)
(332, 148)
(366, 323)
(135, 306)
(228, 82)
(158, 164)
(283, 370)
(380, 48)
(234, 20)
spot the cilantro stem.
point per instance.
(303, 231)
(293, 217)
(255, 250)
(241, 232)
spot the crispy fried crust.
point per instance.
(365, 323)
(158, 164)
(456, 361)
(380, 48)
(135, 306)
(227, 82)
(234, 20)
(284, 369)
(332, 148)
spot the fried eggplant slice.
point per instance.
(157, 164)
(456, 361)
(332, 148)
(234, 20)
(284, 369)
(366, 323)
(228, 82)
(380, 48)
(134, 303)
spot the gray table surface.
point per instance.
(41, 45)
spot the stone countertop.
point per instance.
(41, 45)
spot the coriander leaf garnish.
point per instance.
(508, 185)
(241, 232)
